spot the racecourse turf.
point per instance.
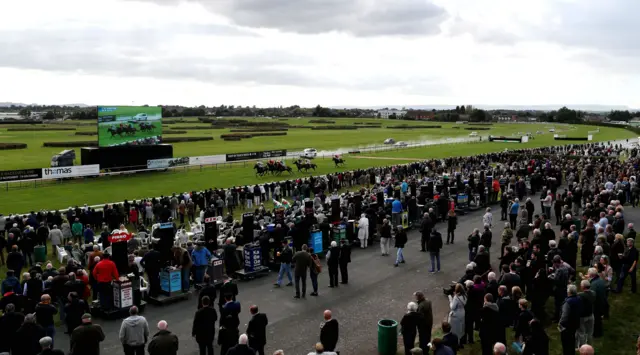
(24, 197)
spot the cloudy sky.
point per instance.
(328, 52)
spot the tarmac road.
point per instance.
(376, 290)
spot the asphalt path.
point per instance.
(376, 290)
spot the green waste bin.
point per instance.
(387, 337)
(39, 254)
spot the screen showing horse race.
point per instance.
(129, 125)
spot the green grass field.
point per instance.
(20, 198)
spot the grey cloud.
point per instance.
(607, 26)
(363, 18)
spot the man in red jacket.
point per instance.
(104, 272)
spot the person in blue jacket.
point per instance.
(12, 281)
(513, 213)
(200, 257)
(396, 212)
(89, 235)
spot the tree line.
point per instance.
(459, 113)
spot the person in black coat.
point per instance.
(27, 337)
(333, 262)
(525, 316)
(73, 311)
(345, 259)
(449, 339)
(329, 332)
(491, 329)
(434, 245)
(537, 343)
(507, 307)
(257, 330)
(9, 324)
(208, 290)
(242, 348)
(204, 326)
(425, 230)
(452, 222)
(411, 324)
(401, 240)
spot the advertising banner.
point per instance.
(256, 155)
(167, 163)
(129, 125)
(70, 171)
(17, 175)
(208, 159)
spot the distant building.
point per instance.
(635, 122)
(594, 118)
(10, 116)
(390, 113)
(420, 115)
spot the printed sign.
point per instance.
(207, 160)
(166, 225)
(256, 155)
(17, 175)
(119, 236)
(210, 219)
(167, 163)
(70, 171)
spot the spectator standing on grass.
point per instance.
(449, 339)
(76, 231)
(27, 337)
(10, 321)
(569, 322)
(56, 237)
(629, 266)
(44, 315)
(163, 342)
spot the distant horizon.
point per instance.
(515, 107)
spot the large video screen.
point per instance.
(129, 125)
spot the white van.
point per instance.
(473, 134)
(309, 153)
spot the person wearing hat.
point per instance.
(86, 338)
(401, 240)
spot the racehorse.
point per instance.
(261, 170)
(338, 161)
(304, 166)
(146, 127)
(120, 130)
(278, 168)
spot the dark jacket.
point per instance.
(9, 323)
(570, 317)
(435, 242)
(452, 341)
(334, 256)
(163, 343)
(86, 339)
(491, 328)
(209, 291)
(45, 313)
(204, 325)
(27, 339)
(241, 349)
(522, 323)
(257, 330)
(508, 310)
(329, 334)
(345, 253)
(51, 352)
(411, 324)
(73, 313)
(401, 240)
(302, 261)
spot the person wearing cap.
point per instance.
(401, 240)
(86, 338)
